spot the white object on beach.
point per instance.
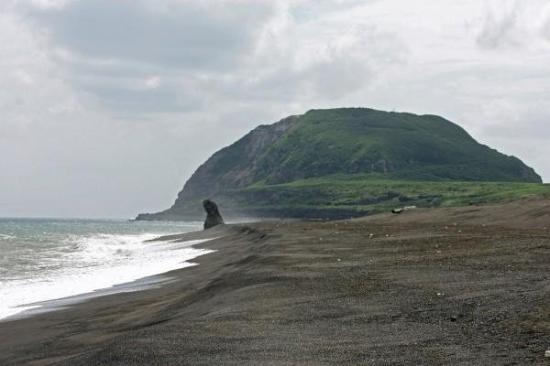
(547, 354)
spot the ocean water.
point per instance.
(47, 259)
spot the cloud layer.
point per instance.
(108, 106)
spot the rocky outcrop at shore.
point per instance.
(213, 216)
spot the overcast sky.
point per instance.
(107, 107)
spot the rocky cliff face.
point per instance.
(349, 141)
(234, 166)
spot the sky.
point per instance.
(107, 107)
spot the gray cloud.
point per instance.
(339, 69)
(144, 56)
(545, 30)
(170, 33)
(126, 71)
(513, 24)
(500, 30)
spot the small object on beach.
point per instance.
(454, 318)
(213, 217)
(399, 210)
(371, 235)
(547, 354)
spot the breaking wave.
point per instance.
(83, 264)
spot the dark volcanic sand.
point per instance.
(464, 286)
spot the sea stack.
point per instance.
(213, 216)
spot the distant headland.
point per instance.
(349, 162)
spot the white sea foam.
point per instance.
(6, 237)
(90, 263)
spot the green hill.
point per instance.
(335, 147)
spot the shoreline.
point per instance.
(46, 306)
(129, 283)
(426, 287)
(21, 338)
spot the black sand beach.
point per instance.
(467, 286)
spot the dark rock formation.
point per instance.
(213, 216)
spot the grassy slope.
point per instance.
(411, 147)
(370, 193)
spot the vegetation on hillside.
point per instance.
(401, 145)
(373, 194)
(352, 161)
(343, 196)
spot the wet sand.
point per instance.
(466, 286)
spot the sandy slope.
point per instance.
(468, 286)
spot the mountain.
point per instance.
(346, 144)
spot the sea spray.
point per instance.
(57, 259)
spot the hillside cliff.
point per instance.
(354, 143)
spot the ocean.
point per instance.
(47, 259)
